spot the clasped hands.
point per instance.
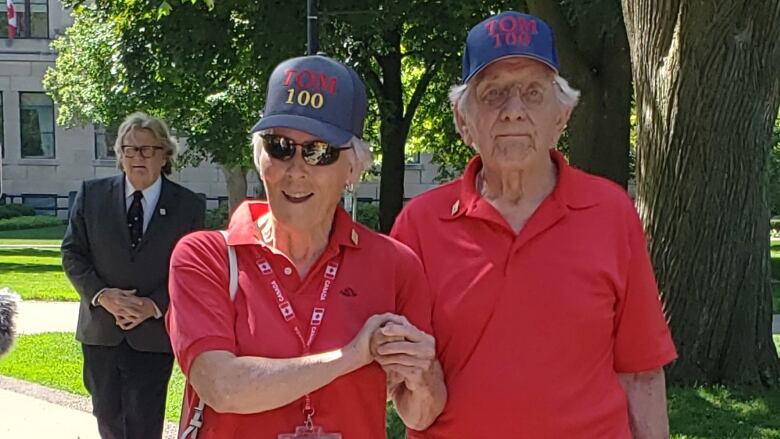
(406, 353)
(128, 309)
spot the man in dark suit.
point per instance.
(116, 252)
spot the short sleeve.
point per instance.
(413, 298)
(642, 341)
(200, 316)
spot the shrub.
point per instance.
(29, 222)
(774, 226)
(216, 219)
(15, 210)
(368, 215)
(394, 426)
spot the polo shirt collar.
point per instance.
(566, 191)
(242, 230)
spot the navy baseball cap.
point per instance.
(317, 95)
(505, 35)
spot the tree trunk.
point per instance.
(599, 129)
(235, 177)
(393, 134)
(707, 94)
(595, 59)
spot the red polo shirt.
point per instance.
(533, 328)
(376, 275)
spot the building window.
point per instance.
(32, 19)
(36, 115)
(413, 158)
(104, 142)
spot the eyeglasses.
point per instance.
(314, 153)
(147, 151)
(496, 95)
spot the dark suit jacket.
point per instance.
(96, 254)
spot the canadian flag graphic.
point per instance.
(264, 267)
(317, 315)
(330, 271)
(9, 4)
(287, 311)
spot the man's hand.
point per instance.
(128, 309)
(415, 380)
(404, 352)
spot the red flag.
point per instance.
(11, 18)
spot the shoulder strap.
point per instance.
(233, 288)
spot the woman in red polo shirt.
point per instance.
(319, 297)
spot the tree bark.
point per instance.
(391, 109)
(235, 177)
(394, 124)
(595, 59)
(707, 93)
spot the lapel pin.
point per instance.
(355, 237)
(455, 208)
(162, 211)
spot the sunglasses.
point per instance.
(314, 153)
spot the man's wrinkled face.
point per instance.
(512, 115)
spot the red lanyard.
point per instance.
(289, 316)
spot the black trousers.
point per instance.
(128, 389)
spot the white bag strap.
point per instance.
(192, 430)
(233, 286)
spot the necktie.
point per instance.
(135, 219)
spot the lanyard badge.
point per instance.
(305, 432)
(308, 429)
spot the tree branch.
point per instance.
(374, 82)
(550, 11)
(419, 92)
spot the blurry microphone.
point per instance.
(8, 304)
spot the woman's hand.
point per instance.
(361, 346)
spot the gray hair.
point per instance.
(567, 95)
(361, 160)
(157, 127)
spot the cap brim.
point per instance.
(321, 130)
(512, 55)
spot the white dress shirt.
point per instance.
(148, 202)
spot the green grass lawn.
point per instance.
(36, 274)
(44, 235)
(54, 360)
(719, 412)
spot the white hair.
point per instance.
(567, 95)
(361, 159)
(156, 127)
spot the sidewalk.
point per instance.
(35, 317)
(32, 411)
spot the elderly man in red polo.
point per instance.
(546, 311)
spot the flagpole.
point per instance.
(312, 28)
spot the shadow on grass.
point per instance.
(15, 261)
(719, 412)
(55, 232)
(29, 253)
